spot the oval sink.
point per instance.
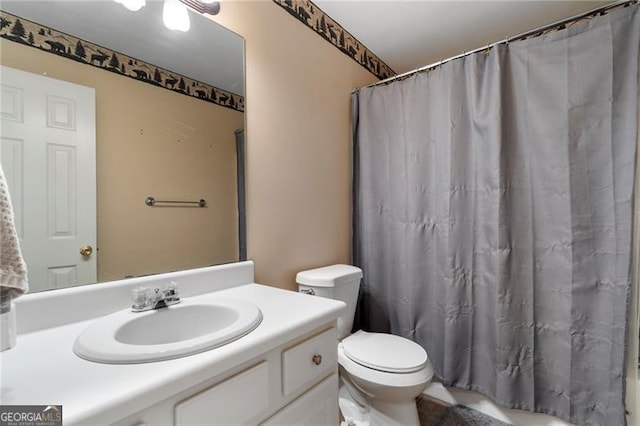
(179, 330)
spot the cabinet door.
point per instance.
(242, 399)
(318, 406)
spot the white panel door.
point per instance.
(48, 154)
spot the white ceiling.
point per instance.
(208, 52)
(410, 34)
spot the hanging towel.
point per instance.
(13, 270)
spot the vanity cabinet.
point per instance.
(296, 383)
(285, 371)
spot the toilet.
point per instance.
(380, 374)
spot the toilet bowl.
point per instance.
(381, 374)
(389, 371)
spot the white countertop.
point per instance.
(42, 368)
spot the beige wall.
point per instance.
(182, 150)
(298, 148)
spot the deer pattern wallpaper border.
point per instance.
(313, 17)
(23, 31)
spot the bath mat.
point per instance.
(434, 414)
(459, 415)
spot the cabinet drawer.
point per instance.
(309, 361)
(240, 399)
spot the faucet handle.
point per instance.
(139, 296)
(171, 288)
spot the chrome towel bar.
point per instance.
(150, 201)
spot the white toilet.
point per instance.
(380, 374)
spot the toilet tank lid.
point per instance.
(329, 276)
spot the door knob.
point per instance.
(86, 251)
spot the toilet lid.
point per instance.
(385, 352)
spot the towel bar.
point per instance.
(150, 201)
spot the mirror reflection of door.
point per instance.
(48, 153)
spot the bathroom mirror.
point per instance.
(169, 119)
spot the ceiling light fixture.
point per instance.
(174, 12)
(175, 15)
(203, 6)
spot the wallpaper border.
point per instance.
(322, 24)
(28, 33)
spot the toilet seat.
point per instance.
(385, 352)
(416, 367)
(382, 378)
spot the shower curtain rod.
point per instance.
(507, 40)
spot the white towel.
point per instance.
(13, 270)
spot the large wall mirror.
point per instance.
(103, 107)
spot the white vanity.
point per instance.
(284, 371)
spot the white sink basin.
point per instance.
(179, 330)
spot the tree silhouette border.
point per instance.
(32, 34)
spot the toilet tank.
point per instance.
(340, 282)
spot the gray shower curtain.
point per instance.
(492, 216)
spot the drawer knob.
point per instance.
(317, 359)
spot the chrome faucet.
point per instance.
(145, 298)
